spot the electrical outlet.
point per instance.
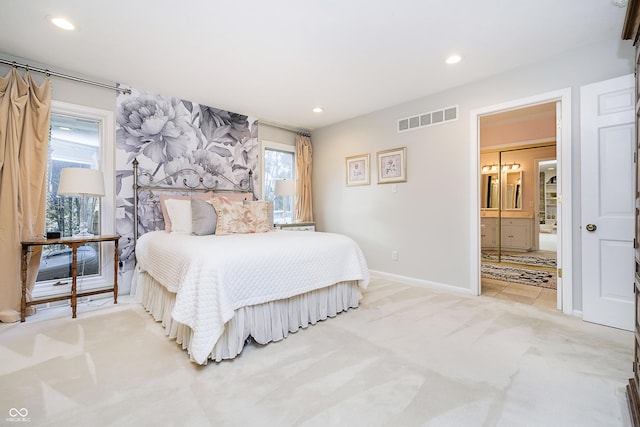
(394, 255)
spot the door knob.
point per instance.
(591, 227)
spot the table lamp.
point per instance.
(80, 182)
(285, 188)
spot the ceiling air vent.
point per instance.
(431, 118)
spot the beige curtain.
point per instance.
(304, 207)
(25, 111)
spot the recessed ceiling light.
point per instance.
(454, 59)
(64, 128)
(318, 110)
(62, 23)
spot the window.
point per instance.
(76, 139)
(278, 163)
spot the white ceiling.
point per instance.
(276, 60)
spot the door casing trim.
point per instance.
(565, 161)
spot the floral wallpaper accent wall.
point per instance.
(166, 135)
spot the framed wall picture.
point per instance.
(392, 165)
(358, 170)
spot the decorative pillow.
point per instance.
(163, 205)
(180, 215)
(269, 209)
(200, 196)
(234, 197)
(236, 217)
(263, 214)
(203, 217)
(270, 213)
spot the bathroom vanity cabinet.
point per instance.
(489, 233)
(516, 234)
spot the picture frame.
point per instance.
(392, 165)
(358, 170)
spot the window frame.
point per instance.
(106, 129)
(276, 146)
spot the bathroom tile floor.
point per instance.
(525, 294)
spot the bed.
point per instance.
(214, 292)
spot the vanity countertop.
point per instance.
(493, 213)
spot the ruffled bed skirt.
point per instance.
(271, 321)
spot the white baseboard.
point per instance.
(419, 282)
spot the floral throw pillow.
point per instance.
(237, 217)
(262, 214)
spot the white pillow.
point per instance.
(180, 214)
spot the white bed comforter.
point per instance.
(214, 275)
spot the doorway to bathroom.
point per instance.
(561, 100)
(518, 230)
(518, 205)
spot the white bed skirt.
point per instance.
(271, 321)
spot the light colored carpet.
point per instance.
(408, 356)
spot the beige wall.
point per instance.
(271, 133)
(428, 219)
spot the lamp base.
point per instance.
(83, 231)
(83, 234)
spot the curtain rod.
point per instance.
(283, 127)
(64, 76)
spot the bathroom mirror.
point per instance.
(490, 191)
(513, 190)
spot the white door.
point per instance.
(607, 227)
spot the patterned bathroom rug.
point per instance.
(537, 259)
(543, 278)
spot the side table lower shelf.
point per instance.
(74, 243)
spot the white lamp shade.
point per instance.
(285, 187)
(81, 182)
